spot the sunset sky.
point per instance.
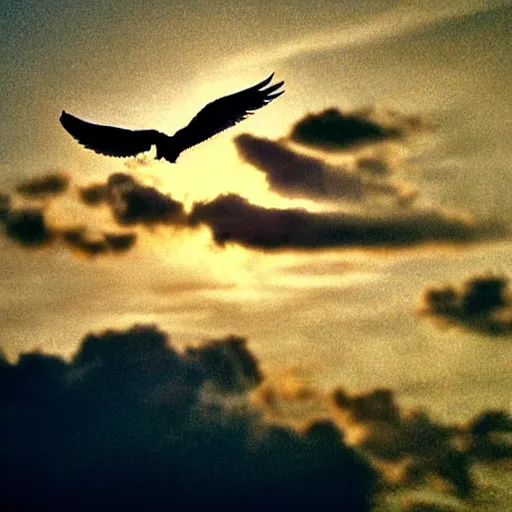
(321, 248)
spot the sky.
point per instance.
(354, 233)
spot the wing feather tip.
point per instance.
(264, 82)
(272, 88)
(271, 97)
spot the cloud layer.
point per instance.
(131, 423)
(232, 218)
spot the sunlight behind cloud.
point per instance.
(210, 170)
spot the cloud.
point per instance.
(93, 194)
(428, 506)
(130, 423)
(374, 166)
(5, 206)
(133, 203)
(28, 227)
(44, 186)
(120, 242)
(228, 363)
(410, 447)
(482, 304)
(232, 218)
(79, 240)
(489, 431)
(130, 202)
(296, 175)
(332, 129)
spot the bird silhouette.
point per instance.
(212, 119)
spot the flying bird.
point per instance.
(212, 119)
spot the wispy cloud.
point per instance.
(393, 23)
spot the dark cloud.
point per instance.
(133, 203)
(131, 423)
(93, 194)
(296, 175)
(43, 186)
(374, 166)
(426, 506)
(482, 303)
(120, 242)
(489, 431)
(78, 239)
(228, 363)
(5, 206)
(232, 218)
(332, 129)
(419, 446)
(28, 227)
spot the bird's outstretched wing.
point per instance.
(109, 140)
(226, 112)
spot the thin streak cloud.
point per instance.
(390, 24)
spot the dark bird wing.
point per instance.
(109, 140)
(226, 112)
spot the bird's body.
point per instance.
(212, 119)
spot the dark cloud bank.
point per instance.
(483, 303)
(130, 423)
(232, 218)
